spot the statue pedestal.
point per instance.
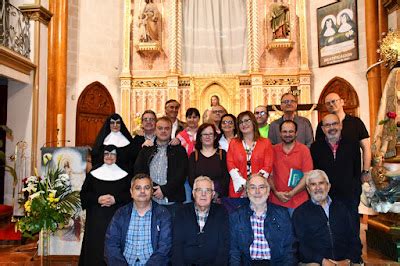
(148, 51)
(383, 234)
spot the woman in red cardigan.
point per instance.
(247, 154)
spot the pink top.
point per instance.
(187, 141)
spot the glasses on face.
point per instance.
(218, 111)
(333, 102)
(207, 191)
(140, 188)
(288, 131)
(109, 154)
(288, 101)
(148, 119)
(328, 125)
(262, 113)
(254, 188)
(207, 135)
(115, 122)
(245, 121)
(175, 107)
(227, 122)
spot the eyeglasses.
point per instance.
(148, 119)
(107, 153)
(328, 125)
(254, 188)
(207, 135)
(245, 121)
(115, 122)
(218, 111)
(140, 188)
(288, 101)
(207, 191)
(227, 122)
(332, 102)
(262, 113)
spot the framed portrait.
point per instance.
(337, 33)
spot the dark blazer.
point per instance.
(177, 169)
(278, 231)
(208, 247)
(160, 236)
(322, 237)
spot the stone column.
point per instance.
(57, 73)
(374, 76)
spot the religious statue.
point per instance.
(386, 144)
(148, 22)
(280, 21)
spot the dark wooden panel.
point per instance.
(95, 104)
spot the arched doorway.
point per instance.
(210, 90)
(345, 91)
(95, 104)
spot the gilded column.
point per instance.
(257, 96)
(374, 76)
(255, 38)
(173, 36)
(57, 73)
(250, 52)
(302, 15)
(125, 76)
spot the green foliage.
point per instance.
(50, 202)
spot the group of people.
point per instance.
(231, 191)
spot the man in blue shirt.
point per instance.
(140, 232)
(324, 227)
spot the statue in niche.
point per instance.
(148, 22)
(280, 20)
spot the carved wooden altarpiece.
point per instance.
(274, 66)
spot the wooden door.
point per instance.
(95, 104)
(345, 91)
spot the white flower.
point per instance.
(63, 177)
(46, 158)
(31, 179)
(30, 188)
(34, 195)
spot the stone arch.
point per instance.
(346, 91)
(95, 104)
(214, 88)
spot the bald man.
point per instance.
(340, 158)
(353, 128)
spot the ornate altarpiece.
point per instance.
(152, 71)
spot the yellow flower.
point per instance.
(27, 206)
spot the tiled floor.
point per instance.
(26, 256)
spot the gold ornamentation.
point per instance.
(149, 83)
(281, 44)
(390, 48)
(36, 13)
(281, 81)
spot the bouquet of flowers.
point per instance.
(49, 201)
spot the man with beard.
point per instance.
(291, 158)
(289, 108)
(340, 158)
(261, 232)
(324, 227)
(352, 127)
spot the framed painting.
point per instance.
(337, 33)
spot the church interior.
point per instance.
(66, 65)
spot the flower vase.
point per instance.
(44, 242)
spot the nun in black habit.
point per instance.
(106, 188)
(114, 132)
